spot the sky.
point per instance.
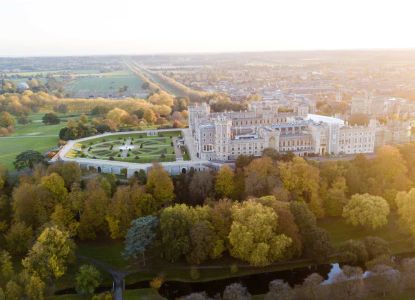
(89, 27)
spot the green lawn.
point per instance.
(106, 85)
(142, 294)
(34, 136)
(340, 231)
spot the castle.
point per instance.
(266, 124)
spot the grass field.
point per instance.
(106, 85)
(34, 136)
(137, 148)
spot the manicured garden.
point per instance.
(136, 148)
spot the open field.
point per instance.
(137, 148)
(106, 85)
(33, 136)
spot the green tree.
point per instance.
(224, 184)
(50, 119)
(253, 236)
(159, 184)
(140, 236)
(50, 254)
(366, 210)
(315, 240)
(87, 280)
(28, 159)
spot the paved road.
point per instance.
(177, 150)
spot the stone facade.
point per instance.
(225, 136)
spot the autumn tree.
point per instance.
(302, 180)
(261, 177)
(389, 172)
(367, 211)
(201, 186)
(224, 183)
(69, 171)
(55, 185)
(253, 236)
(335, 198)
(50, 255)
(19, 238)
(92, 220)
(405, 202)
(159, 184)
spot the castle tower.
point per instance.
(223, 127)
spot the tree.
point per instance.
(201, 185)
(13, 291)
(236, 291)
(315, 240)
(366, 210)
(50, 254)
(51, 119)
(31, 205)
(224, 184)
(354, 252)
(28, 159)
(336, 198)
(87, 280)
(253, 236)
(6, 120)
(278, 289)
(140, 236)
(348, 284)
(159, 184)
(92, 220)
(313, 289)
(261, 176)
(34, 287)
(55, 185)
(122, 211)
(175, 224)
(376, 247)
(69, 171)
(19, 238)
(6, 266)
(383, 280)
(389, 172)
(3, 177)
(405, 202)
(286, 224)
(204, 242)
(302, 180)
